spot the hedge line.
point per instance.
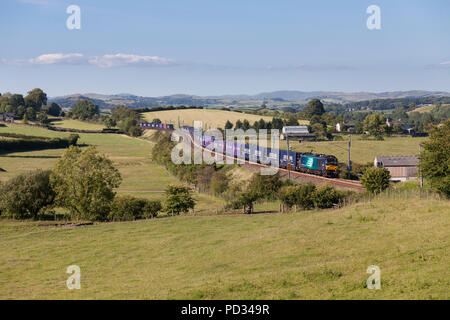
(22, 142)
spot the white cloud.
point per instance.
(442, 65)
(58, 58)
(105, 61)
(122, 59)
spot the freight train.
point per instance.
(318, 164)
(149, 125)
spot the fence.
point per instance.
(390, 194)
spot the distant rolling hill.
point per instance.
(278, 97)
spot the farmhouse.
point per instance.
(401, 168)
(345, 126)
(7, 117)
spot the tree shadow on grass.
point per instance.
(30, 157)
(6, 154)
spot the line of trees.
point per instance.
(127, 120)
(407, 103)
(31, 106)
(276, 123)
(154, 109)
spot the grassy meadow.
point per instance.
(362, 151)
(210, 118)
(304, 255)
(77, 124)
(141, 176)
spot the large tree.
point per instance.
(84, 181)
(35, 99)
(228, 125)
(54, 109)
(16, 100)
(85, 109)
(435, 158)
(277, 123)
(314, 108)
(375, 125)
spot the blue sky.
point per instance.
(213, 47)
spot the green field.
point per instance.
(141, 176)
(362, 151)
(210, 118)
(77, 124)
(307, 255)
(303, 255)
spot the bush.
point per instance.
(305, 196)
(301, 196)
(375, 179)
(127, 208)
(245, 200)
(326, 197)
(73, 138)
(179, 200)
(288, 196)
(266, 187)
(151, 209)
(25, 195)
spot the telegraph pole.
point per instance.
(288, 164)
(420, 171)
(349, 164)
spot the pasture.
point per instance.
(210, 118)
(304, 255)
(77, 124)
(141, 176)
(362, 151)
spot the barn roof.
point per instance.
(293, 130)
(398, 161)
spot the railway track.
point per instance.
(343, 183)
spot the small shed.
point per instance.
(7, 117)
(401, 168)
